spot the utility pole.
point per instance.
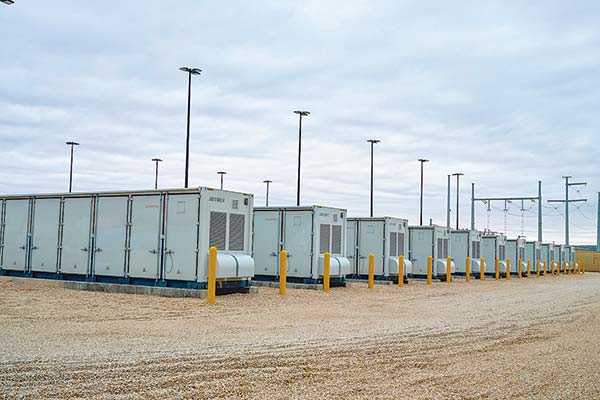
(268, 182)
(190, 71)
(422, 161)
(448, 205)
(598, 226)
(373, 142)
(300, 114)
(458, 175)
(72, 144)
(156, 160)
(221, 173)
(567, 201)
(488, 200)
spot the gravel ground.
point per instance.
(531, 338)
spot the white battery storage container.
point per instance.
(547, 254)
(157, 237)
(306, 233)
(559, 256)
(515, 250)
(533, 253)
(386, 238)
(426, 241)
(466, 243)
(493, 246)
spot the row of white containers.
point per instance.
(150, 235)
(165, 235)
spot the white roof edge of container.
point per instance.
(118, 193)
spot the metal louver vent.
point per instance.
(440, 248)
(502, 251)
(236, 232)
(393, 244)
(325, 233)
(401, 244)
(218, 221)
(234, 204)
(446, 248)
(336, 239)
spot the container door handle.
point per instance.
(153, 251)
(34, 248)
(98, 249)
(22, 247)
(166, 252)
(84, 249)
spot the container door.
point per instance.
(351, 250)
(298, 240)
(44, 249)
(181, 237)
(267, 228)
(111, 232)
(421, 246)
(371, 241)
(76, 236)
(16, 222)
(144, 241)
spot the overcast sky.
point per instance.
(506, 92)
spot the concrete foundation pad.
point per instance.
(295, 285)
(130, 289)
(377, 282)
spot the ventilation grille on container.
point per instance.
(217, 232)
(400, 244)
(324, 239)
(538, 254)
(522, 253)
(236, 232)
(336, 239)
(393, 244)
(442, 248)
(475, 250)
(502, 252)
(234, 204)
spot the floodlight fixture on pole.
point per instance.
(221, 173)
(72, 144)
(156, 160)
(373, 142)
(300, 115)
(422, 161)
(190, 71)
(458, 175)
(268, 182)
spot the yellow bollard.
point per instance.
(497, 276)
(508, 269)
(519, 268)
(283, 272)
(448, 269)
(481, 269)
(371, 281)
(429, 270)
(212, 275)
(528, 268)
(468, 269)
(545, 265)
(537, 267)
(326, 271)
(400, 271)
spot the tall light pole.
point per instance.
(373, 142)
(268, 182)
(72, 144)
(221, 173)
(156, 160)
(448, 205)
(190, 71)
(422, 161)
(300, 115)
(458, 175)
